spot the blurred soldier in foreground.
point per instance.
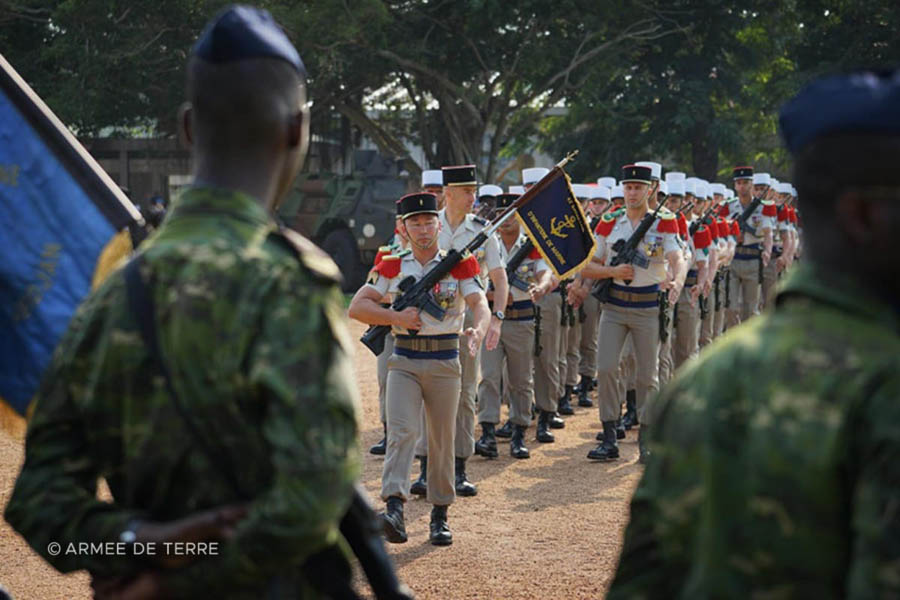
(209, 381)
(776, 456)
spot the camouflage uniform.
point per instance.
(775, 458)
(258, 350)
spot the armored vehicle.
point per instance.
(348, 216)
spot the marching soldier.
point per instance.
(459, 227)
(590, 328)
(398, 244)
(530, 283)
(424, 370)
(433, 183)
(754, 246)
(633, 303)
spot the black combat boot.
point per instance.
(440, 531)
(381, 447)
(630, 419)
(620, 430)
(584, 388)
(506, 431)
(556, 422)
(543, 427)
(419, 487)
(392, 521)
(464, 487)
(607, 449)
(644, 444)
(487, 445)
(564, 406)
(517, 447)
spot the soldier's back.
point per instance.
(769, 465)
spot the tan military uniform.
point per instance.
(632, 308)
(744, 280)
(516, 347)
(424, 373)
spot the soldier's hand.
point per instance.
(766, 256)
(143, 586)
(575, 295)
(474, 340)
(674, 292)
(694, 293)
(536, 292)
(780, 264)
(216, 524)
(707, 287)
(623, 272)
(408, 318)
(492, 339)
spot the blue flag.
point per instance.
(555, 222)
(58, 210)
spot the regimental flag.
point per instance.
(553, 219)
(58, 212)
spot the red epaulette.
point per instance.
(770, 210)
(783, 214)
(702, 238)
(668, 224)
(793, 215)
(722, 228)
(389, 266)
(723, 211)
(381, 254)
(466, 268)
(606, 224)
(534, 254)
(682, 226)
(735, 229)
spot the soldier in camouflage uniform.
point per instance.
(249, 322)
(776, 457)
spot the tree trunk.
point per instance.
(704, 153)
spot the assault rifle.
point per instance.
(748, 212)
(702, 220)
(627, 251)
(419, 294)
(512, 266)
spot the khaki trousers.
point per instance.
(382, 365)
(706, 325)
(464, 440)
(414, 384)
(627, 365)
(615, 324)
(590, 330)
(573, 355)
(665, 349)
(516, 346)
(687, 330)
(744, 290)
(546, 366)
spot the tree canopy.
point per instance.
(695, 84)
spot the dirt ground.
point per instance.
(547, 527)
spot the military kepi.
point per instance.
(418, 203)
(243, 32)
(461, 175)
(742, 173)
(506, 200)
(637, 174)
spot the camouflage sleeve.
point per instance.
(301, 364)
(875, 524)
(54, 500)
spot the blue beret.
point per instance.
(864, 102)
(241, 32)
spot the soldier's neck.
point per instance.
(454, 219)
(636, 214)
(509, 239)
(425, 255)
(745, 200)
(225, 176)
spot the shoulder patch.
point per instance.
(769, 208)
(735, 229)
(311, 256)
(389, 266)
(724, 211)
(782, 214)
(667, 223)
(722, 228)
(466, 268)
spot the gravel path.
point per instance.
(546, 527)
